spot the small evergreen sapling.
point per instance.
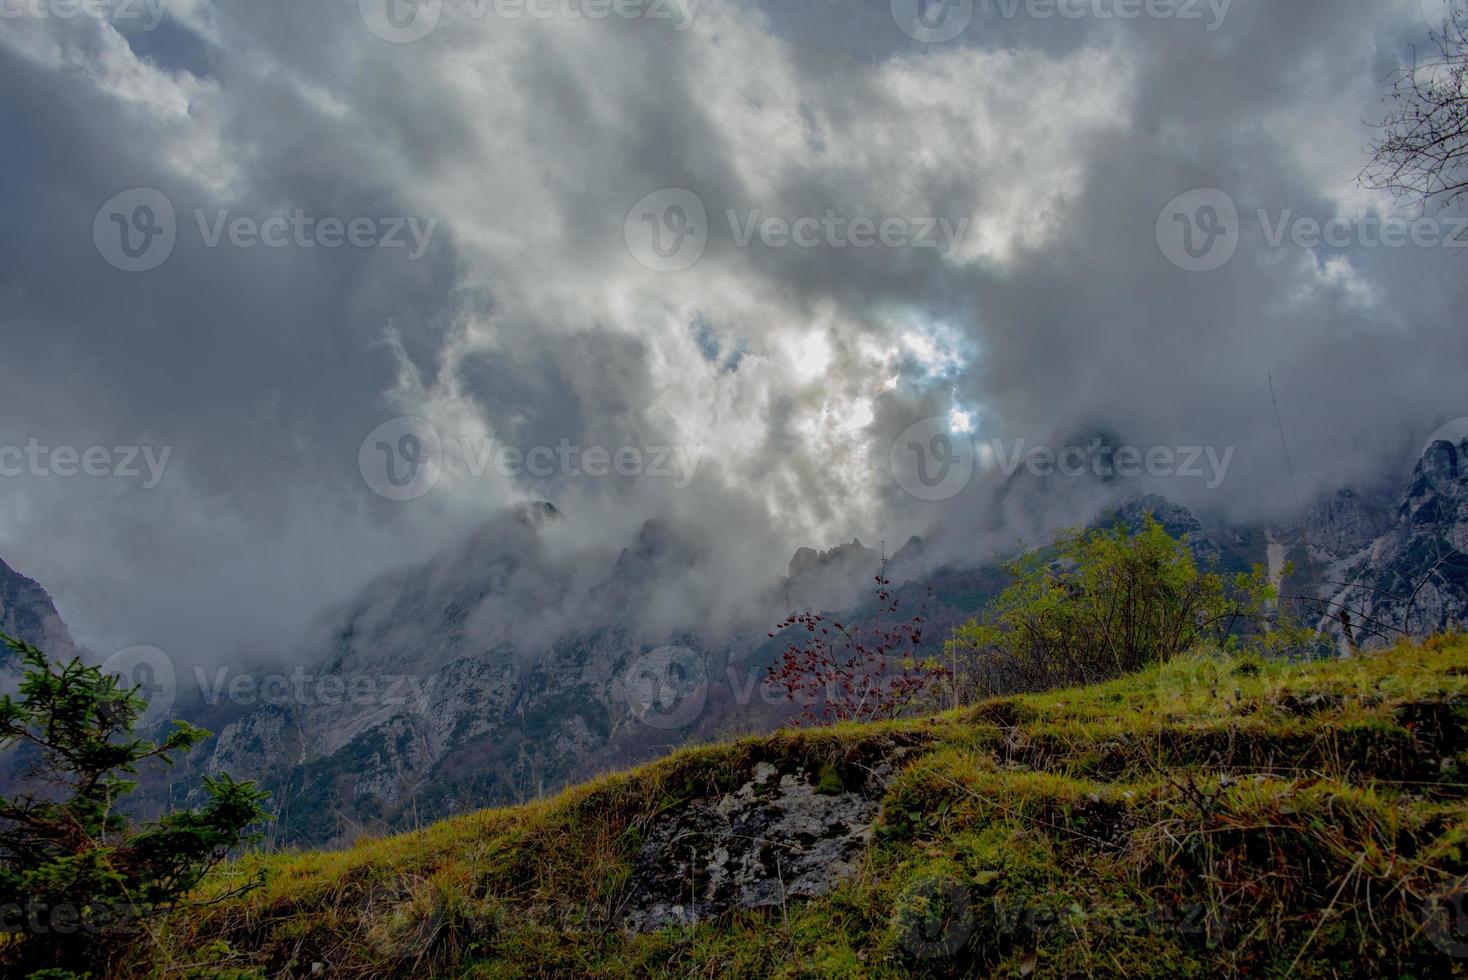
(79, 881)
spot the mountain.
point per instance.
(1208, 817)
(27, 613)
(505, 669)
(1413, 577)
(494, 673)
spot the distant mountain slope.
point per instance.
(1413, 577)
(491, 674)
(497, 673)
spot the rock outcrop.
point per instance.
(779, 837)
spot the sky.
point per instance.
(293, 294)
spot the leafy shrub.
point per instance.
(1101, 603)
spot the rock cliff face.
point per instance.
(496, 673)
(27, 613)
(1413, 577)
(830, 579)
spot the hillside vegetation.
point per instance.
(1214, 815)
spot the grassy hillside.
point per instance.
(1208, 817)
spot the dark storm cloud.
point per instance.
(527, 322)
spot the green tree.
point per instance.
(1100, 603)
(80, 882)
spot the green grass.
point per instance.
(1209, 817)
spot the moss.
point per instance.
(828, 781)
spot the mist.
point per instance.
(488, 291)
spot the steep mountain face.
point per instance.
(493, 674)
(27, 613)
(507, 668)
(1413, 577)
(499, 671)
(1347, 521)
(830, 579)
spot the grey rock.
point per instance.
(775, 839)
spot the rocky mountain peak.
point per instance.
(536, 513)
(808, 560)
(27, 613)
